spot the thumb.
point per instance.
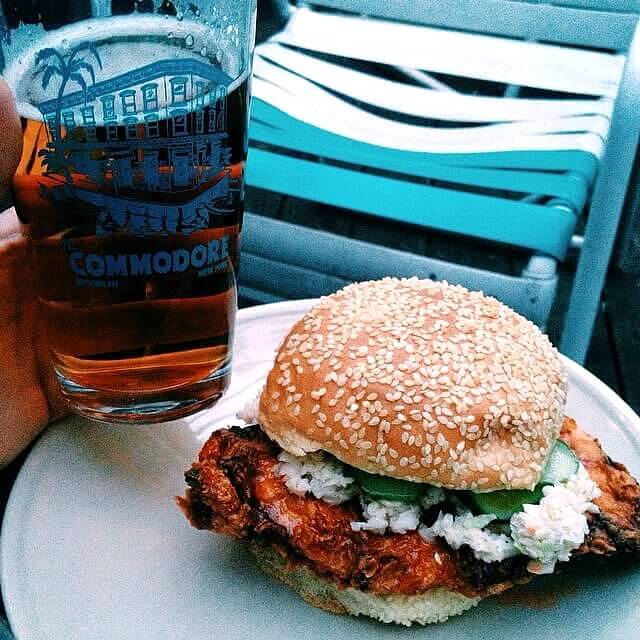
(10, 142)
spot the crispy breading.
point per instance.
(235, 490)
(616, 529)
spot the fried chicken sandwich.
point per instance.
(409, 455)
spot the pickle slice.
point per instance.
(561, 464)
(384, 488)
(503, 504)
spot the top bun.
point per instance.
(418, 380)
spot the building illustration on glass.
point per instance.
(148, 149)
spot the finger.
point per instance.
(23, 406)
(10, 142)
(14, 259)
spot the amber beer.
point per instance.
(131, 192)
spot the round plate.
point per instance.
(93, 546)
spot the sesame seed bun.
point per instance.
(435, 605)
(418, 380)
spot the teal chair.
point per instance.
(511, 122)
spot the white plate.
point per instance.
(93, 546)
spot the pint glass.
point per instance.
(130, 189)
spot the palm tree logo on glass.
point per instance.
(68, 67)
(146, 151)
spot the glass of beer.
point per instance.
(130, 190)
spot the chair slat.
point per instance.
(321, 109)
(579, 25)
(563, 160)
(255, 296)
(620, 6)
(570, 187)
(543, 229)
(468, 55)
(559, 160)
(266, 241)
(420, 101)
(298, 96)
(288, 281)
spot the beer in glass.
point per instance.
(130, 190)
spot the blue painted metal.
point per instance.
(539, 228)
(606, 210)
(581, 22)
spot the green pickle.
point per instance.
(503, 504)
(561, 464)
(384, 488)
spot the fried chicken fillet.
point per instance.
(234, 490)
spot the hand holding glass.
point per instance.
(130, 189)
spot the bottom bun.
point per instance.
(435, 605)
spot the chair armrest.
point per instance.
(607, 204)
(627, 249)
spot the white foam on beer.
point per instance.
(164, 37)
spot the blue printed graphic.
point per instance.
(147, 150)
